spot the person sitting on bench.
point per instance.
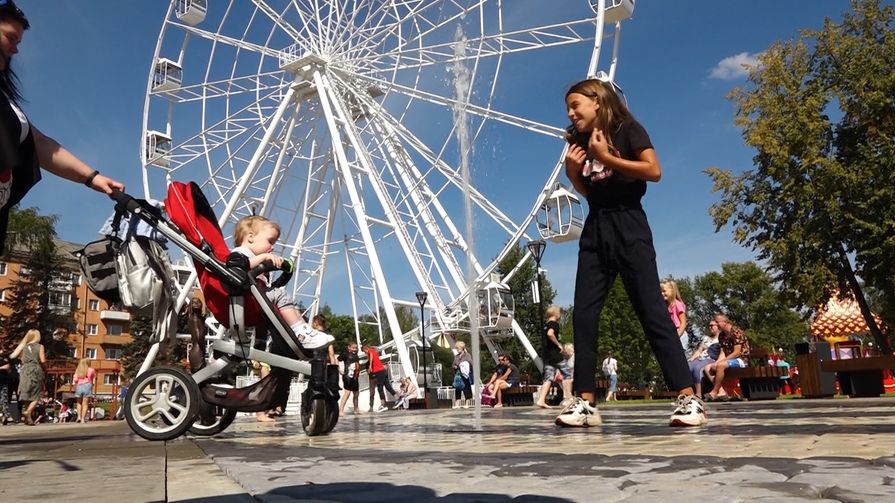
(734, 353)
(505, 377)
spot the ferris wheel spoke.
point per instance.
(529, 39)
(486, 113)
(224, 88)
(234, 42)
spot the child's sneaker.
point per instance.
(313, 339)
(382, 408)
(579, 413)
(688, 411)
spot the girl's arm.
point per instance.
(683, 317)
(645, 168)
(42, 354)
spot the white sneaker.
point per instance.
(579, 413)
(382, 408)
(455, 406)
(313, 339)
(688, 411)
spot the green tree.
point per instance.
(821, 116)
(40, 296)
(133, 353)
(526, 311)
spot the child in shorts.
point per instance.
(255, 237)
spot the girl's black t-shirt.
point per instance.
(619, 190)
(552, 354)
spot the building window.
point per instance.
(60, 300)
(115, 329)
(93, 305)
(3, 295)
(109, 379)
(113, 353)
(71, 352)
(92, 329)
(90, 353)
(3, 268)
(76, 278)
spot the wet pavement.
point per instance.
(784, 450)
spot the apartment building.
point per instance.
(100, 330)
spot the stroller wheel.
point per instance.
(331, 415)
(162, 403)
(313, 414)
(222, 417)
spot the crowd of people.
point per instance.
(22, 376)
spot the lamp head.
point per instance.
(537, 248)
(421, 298)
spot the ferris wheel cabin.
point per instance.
(496, 305)
(616, 10)
(158, 148)
(561, 217)
(167, 75)
(191, 12)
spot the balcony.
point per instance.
(110, 315)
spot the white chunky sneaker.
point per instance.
(688, 411)
(579, 413)
(311, 338)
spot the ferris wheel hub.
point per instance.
(295, 61)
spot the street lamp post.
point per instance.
(421, 298)
(537, 251)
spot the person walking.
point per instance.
(378, 376)
(609, 160)
(463, 366)
(84, 381)
(5, 374)
(610, 370)
(350, 362)
(552, 348)
(31, 375)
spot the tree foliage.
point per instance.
(820, 113)
(526, 311)
(132, 354)
(32, 235)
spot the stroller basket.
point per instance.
(256, 397)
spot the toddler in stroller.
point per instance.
(164, 402)
(255, 237)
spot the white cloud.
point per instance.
(734, 67)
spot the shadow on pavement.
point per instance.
(372, 492)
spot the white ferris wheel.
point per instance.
(338, 119)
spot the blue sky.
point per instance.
(84, 68)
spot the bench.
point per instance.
(860, 376)
(759, 381)
(520, 395)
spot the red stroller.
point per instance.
(164, 402)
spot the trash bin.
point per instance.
(815, 382)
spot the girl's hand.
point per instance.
(575, 158)
(598, 146)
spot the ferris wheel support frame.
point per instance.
(347, 176)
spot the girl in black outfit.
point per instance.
(609, 160)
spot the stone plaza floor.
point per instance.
(784, 450)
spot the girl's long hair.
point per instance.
(83, 365)
(610, 115)
(675, 293)
(31, 337)
(9, 81)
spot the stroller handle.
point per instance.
(267, 266)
